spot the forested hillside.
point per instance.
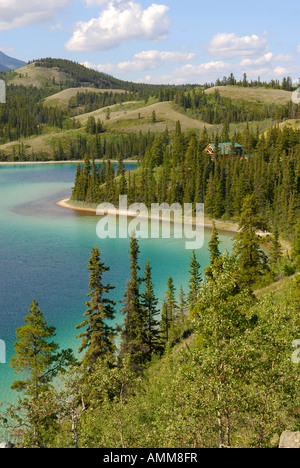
(178, 171)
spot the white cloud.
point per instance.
(119, 21)
(16, 13)
(228, 46)
(283, 58)
(146, 60)
(264, 59)
(264, 66)
(192, 74)
(298, 49)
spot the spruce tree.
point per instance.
(169, 311)
(98, 337)
(149, 303)
(194, 281)
(134, 333)
(296, 245)
(219, 202)
(182, 303)
(213, 245)
(275, 250)
(38, 359)
(252, 261)
(78, 190)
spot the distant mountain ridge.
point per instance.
(9, 63)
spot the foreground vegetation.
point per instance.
(213, 368)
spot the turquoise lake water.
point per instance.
(44, 251)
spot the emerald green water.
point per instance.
(44, 251)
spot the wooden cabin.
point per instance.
(225, 149)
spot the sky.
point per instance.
(165, 42)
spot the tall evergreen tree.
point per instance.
(252, 261)
(213, 245)
(275, 250)
(98, 337)
(194, 281)
(296, 245)
(38, 358)
(168, 311)
(182, 302)
(134, 333)
(149, 303)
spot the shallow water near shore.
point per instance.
(45, 250)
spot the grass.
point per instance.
(134, 116)
(39, 77)
(62, 99)
(137, 117)
(257, 95)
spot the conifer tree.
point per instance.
(98, 337)
(194, 281)
(78, 190)
(149, 303)
(134, 332)
(213, 245)
(296, 245)
(168, 311)
(219, 208)
(38, 358)
(86, 175)
(121, 168)
(182, 303)
(251, 260)
(275, 251)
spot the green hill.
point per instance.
(61, 73)
(257, 95)
(50, 102)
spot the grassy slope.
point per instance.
(132, 116)
(258, 95)
(37, 76)
(123, 118)
(62, 99)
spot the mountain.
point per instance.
(9, 63)
(63, 74)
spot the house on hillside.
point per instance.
(225, 149)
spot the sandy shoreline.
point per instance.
(220, 225)
(25, 163)
(226, 226)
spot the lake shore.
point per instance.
(208, 223)
(98, 161)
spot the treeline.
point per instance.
(90, 101)
(231, 382)
(215, 109)
(178, 171)
(286, 84)
(24, 115)
(96, 145)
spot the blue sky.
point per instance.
(167, 41)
